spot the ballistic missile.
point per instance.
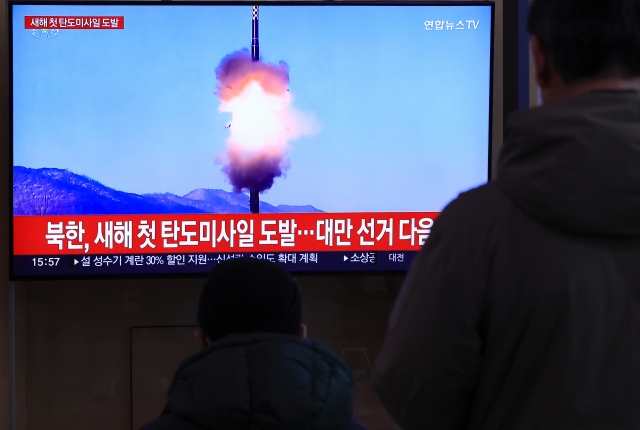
(254, 195)
(255, 43)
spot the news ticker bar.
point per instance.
(155, 264)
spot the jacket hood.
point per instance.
(263, 381)
(575, 165)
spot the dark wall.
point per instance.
(5, 169)
(100, 354)
(516, 57)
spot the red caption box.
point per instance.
(74, 22)
(152, 234)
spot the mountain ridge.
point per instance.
(51, 191)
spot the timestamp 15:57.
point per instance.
(41, 261)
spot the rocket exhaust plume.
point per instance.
(263, 120)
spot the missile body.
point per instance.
(254, 195)
(255, 43)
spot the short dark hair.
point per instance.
(247, 295)
(588, 38)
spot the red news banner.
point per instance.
(202, 233)
(74, 22)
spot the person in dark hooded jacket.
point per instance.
(522, 310)
(257, 370)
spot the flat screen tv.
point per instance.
(161, 138)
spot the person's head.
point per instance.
(579, 45)
(246, 295)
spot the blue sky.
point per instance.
(403, 112)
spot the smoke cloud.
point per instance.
(263, 120)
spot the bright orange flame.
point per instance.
(260, 121)
(263, 120)
(273, 79)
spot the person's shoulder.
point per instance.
(484, 205)
(273, 348)
(485, 198)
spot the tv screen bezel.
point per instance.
(169, 3)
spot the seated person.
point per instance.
(256, 369)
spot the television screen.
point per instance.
(162, 138)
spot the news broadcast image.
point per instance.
(157, 139)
